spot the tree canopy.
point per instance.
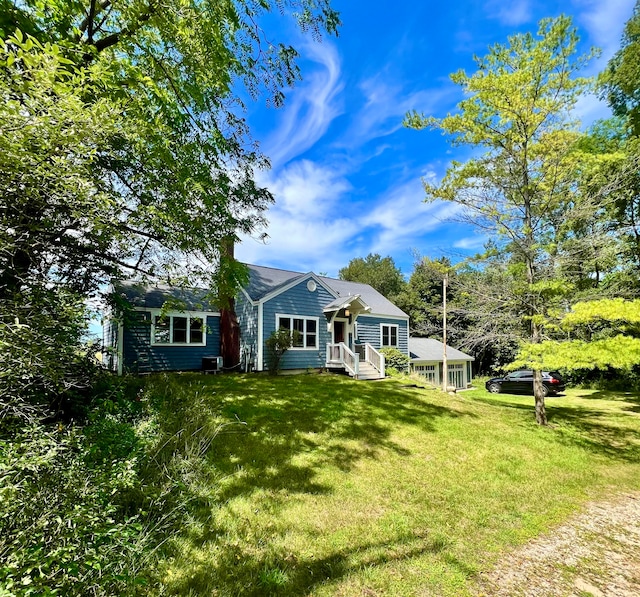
(620, 82)
(380, 272)
(516, 111)
(173, 172)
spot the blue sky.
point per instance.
(345, 174)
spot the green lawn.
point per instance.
(320, 485)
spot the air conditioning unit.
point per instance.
(211, 364)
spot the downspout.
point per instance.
(445, 373)
(260, 338)
(120, 347)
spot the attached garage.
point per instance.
(426, 358)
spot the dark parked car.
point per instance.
(521, 382)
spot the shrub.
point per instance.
(72, 509)
(395, 360)
(277, 344)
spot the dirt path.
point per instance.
(597, 554)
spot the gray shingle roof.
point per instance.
(428, 349)
(153, 297)
(378, 303)
(264, 280)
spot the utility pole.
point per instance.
(445, 372)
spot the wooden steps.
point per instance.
(367, 372)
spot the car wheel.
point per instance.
(494, 388)
(545, 391)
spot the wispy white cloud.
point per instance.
(604, 21)
(307, 229)
(590, 108)
(401, 218)
(386, 104)
(315, 225)
(310, 107)
(514, 13)
(470, 243)
(305, 189)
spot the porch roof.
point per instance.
(354, 303)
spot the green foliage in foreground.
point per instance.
(600, 323)
(312, 485)
(318, 485)
(72, 510)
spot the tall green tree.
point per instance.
(516, 111)
(51, 138)
(601, 235)
(380, 272)
(620, 81)
(178, 172)
(620, 85)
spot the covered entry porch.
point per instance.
(360, 361)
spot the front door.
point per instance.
(338, 332)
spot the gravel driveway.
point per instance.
(596, 554)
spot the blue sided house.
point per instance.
(338, 324)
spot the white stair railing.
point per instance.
(375, 358)
(340, 354)
(350, 359)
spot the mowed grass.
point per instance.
(321, 485)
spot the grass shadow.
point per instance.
(598, 432)
(242, 571)
(270, 439)
(298, 425)
(605, 432)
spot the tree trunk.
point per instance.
(14, 272)
(536, 332)
(229, 336)
(229, 327)
(538, 390)
(538, 387)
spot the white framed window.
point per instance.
(178, 329)
(304, 330)
(389, 335)
(456, 374)
(424, 367)
(427, 371)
